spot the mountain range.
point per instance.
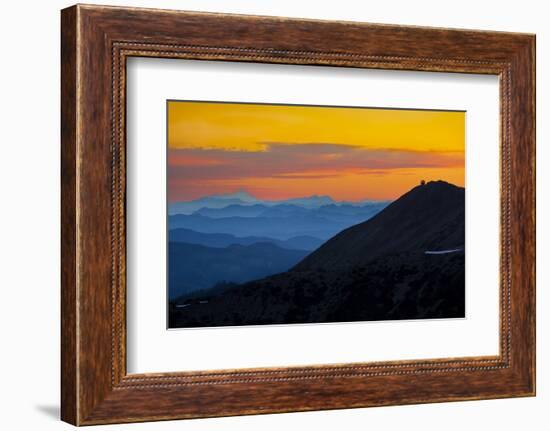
(383, 268)
(222, 240)
(243, 198)
(279, 228)
(273, 236)
(280, 222)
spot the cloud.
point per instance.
(304, 176)
(304, 160)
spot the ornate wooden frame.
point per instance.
(95, 43)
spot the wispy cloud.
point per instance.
(304, 160)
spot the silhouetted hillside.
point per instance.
(413, 286)
(428, 216)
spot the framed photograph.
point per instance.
(296, 214)
(266, 215)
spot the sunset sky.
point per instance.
(285, 151)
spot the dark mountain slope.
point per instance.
(429, 216)
(413, 286)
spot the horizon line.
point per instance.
(308, 196)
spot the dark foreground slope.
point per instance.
(376, 270)
(428, 217)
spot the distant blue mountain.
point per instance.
(194, 267)
(287, 210)
(279, 222)
(214, 201)
(222, 240)
(281, 228)
(314, 201)
(242, 195)
(345, 213)
(244, 199)
(233, 210)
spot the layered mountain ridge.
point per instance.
(380, 269)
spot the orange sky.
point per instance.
(285, 151)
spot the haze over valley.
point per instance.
(235, 238)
